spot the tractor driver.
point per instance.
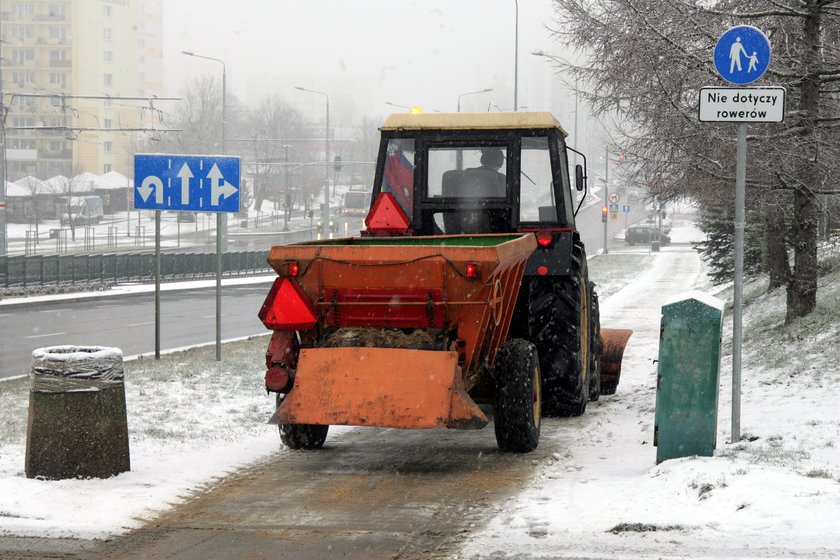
(493, 183)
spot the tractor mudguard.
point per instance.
(615, 341)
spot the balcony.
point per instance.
(60, 63)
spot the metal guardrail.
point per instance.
(45, 270)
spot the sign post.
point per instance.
(741, 56)
(187, 183)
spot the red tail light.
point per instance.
(472, 271)
(544, 238)
(387, 216)
(287, 307)
(294, 268)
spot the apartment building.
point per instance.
(78, 58)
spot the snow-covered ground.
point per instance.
(775, 494)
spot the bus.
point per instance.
(355, 203)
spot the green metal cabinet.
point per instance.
(688, 377)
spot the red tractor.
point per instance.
(469, 287)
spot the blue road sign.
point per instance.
(613, 207)
(625, 208)
(742, 54)
(186, 183)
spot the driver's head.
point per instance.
(492, 157)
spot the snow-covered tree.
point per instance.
(646, 60)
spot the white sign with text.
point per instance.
(760, 104)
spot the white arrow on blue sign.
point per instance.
(742, 54)
(186, 183)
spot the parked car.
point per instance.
(645, 233)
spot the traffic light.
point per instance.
(604, 211)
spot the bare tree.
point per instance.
(271, 126)
(647, 59)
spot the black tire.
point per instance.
(302, 436)
(596, 345)
(517, 399)
(558, 321)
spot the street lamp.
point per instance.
(471, 93)
(221, 217)
(325, 213)
(516, 60)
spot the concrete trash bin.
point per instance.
(77, 426)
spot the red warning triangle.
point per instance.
(287, 307)
(387, 216)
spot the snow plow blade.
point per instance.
(615, 340)
(384, 387)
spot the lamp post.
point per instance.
(325, 213)
(221, 217)
(471, 93)
(516, 60)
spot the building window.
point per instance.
(57, 32)
(56, 146)
(21, 56)
(107, 146)
(23, 9)
(109, 80)
(56, 11)
(107, 168)
(108, 123)
(58, 78)
(106, 33)
(108, 56)
(106, 11)
(23, 78)
(23, 32)
(141, 43)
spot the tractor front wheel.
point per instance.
(302, 436)
(517, 399)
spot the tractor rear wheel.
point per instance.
(302, 436)
(596, 345)
(517, 401)
(558, 322)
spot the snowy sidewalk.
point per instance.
(606, 498)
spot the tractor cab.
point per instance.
(474, 173)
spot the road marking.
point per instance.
(140, 324)
(44, 335)
(60, 310)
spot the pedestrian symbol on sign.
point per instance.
(742, 54)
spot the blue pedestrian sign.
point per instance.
(186, 183)
(742, 54)
(625, 208)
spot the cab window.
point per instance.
(398, 174)
(536, 183)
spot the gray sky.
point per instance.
(364, 52)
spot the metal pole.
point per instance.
(326, 213)
(606, 193)
(221, 231)
(221, 217)
(157, 285)
(516, 61)
(3, 227)
(740, 195)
